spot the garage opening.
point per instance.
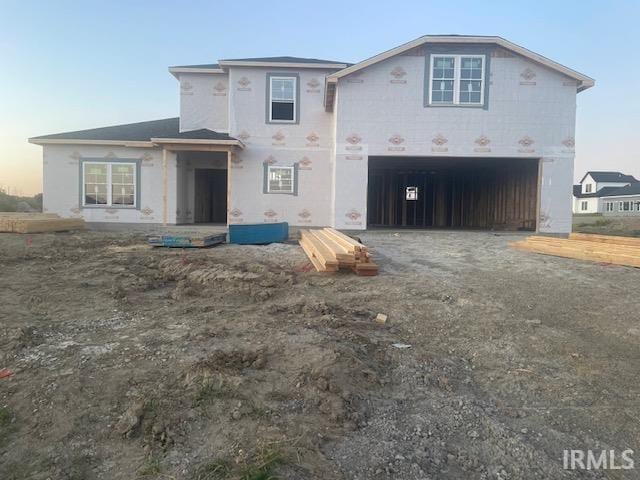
(475, 193)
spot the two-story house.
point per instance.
(611, 193)
(443, 131)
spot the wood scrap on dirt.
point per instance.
(38, 223)
(329, 250)
(596, 248)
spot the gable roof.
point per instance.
(584, 81)
(151, 131)
(610, 177)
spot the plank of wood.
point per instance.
(345, 240)
(320, 250)
(588, 237)
(314, 261)
(341, 254)
(585, 245)
(577, 253)
(17, 224)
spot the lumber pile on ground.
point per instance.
(37, 223)
(330, 250)
(596, 248)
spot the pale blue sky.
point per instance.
(67, 65)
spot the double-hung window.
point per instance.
(109, 184)
(457, 80)
(584, 206)
(282, 99)
(280, 179)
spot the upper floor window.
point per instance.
(457, 80)
(282, 99)
(587, 188)
(109, 184)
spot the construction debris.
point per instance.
(596, 248)
(330, 250)
(381, 318)
(38, 223)
(186, 241)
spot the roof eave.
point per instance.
(324, 66)
(76, 141)
(176, 71)
(200, 141)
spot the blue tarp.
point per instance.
(258, 233)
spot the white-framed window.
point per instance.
(626, 206)
(587, 188)
(282, 99)
(584, 206)
(457, 80)
(608, 206)
(109, 184)
(280, 179)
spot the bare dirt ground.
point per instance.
(236, 362)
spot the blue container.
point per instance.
(258, 233)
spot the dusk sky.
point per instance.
(69, 65)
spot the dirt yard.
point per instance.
(238, 362)
(628, 226)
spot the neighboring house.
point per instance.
(610, 193)
(443, 131)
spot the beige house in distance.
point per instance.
(443, 131)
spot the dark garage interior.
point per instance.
(474, 193)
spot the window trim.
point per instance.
(294, 179)
(457, 79)
(296, 104)
(110, 161)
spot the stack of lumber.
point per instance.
(595, 248)
(330, 250)
(37, 223)
(186, 241)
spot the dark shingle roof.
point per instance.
(610, 177)
(204, 66)
(139, 132)
(633, 189)
(283, 59)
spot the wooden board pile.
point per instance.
(582, 246)
(37, 223)
(186, 241)
(330, 250)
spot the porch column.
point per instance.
(165, 188)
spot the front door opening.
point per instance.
(210, 204)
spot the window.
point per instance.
(608, 206)
(282, 100)
(587, 188)
(280, 179)
(626, 206)
(457, 80)
(584, 206)
(109, 184)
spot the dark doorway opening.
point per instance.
(476, 193)
(210, 195)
